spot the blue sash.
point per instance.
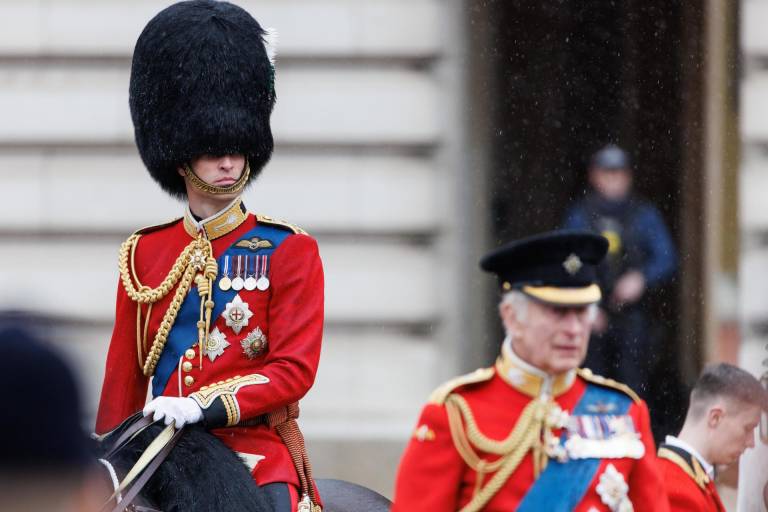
(562, 485)
(183, 334)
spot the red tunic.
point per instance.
(289, 313)
(680, 479)
(434, 477)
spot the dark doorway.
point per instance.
(571, 76)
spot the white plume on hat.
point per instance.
(270, 44)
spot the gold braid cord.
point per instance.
(195, 263)
(466, 434)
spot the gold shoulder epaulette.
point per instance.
(587, 374)
(440, 394)
(264, 219)
(156, 227)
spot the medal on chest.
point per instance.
(250, 273)
(237, 314)
(238, 282)
(225, 283)
(217, 342)
(262, 268)
(254, 344)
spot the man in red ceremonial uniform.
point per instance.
(222, 309)
(534, 432)
(724, 410)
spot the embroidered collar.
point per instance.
(708, 468)
(218, 224)
(527, 378)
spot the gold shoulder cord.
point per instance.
(525, 436)
(196, 262)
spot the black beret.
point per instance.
(611, 157)
(557, 267)
(201, 83)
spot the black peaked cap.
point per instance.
(201, 83)
(557, 259)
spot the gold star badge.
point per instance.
(572, 264)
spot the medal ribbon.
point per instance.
(562, 485)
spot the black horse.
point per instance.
(201, 474)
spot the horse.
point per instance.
(196, 472)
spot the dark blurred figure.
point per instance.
(45, 463)
(641, 256)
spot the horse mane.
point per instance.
(201, 474)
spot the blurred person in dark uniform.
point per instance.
(45, 463)
(725, 407)
(534, 432)
(641, 256)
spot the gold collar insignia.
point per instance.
(219, 224)
(527, 378)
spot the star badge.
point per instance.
(217, 342)
(197, 259)
(572, 264)
(236, 314)
(254, 344)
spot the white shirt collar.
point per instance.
(679, 443)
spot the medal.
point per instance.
(217, 342)
(236, 314)
(250, 280)
(225, 283)
(254, 344)
(262, 283)
(238, 282)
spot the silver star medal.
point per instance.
(236, 314)
(254, 344)
(217, 342)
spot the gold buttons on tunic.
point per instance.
(190, 353)
(187, 366)
(189, 380)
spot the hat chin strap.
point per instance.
(199, 184)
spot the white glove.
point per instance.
(181, 410)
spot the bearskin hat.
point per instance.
(201, 84)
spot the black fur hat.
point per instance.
(201, 83)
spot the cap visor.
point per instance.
(564, 296)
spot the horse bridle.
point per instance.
(146, 466)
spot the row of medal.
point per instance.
(249, 273)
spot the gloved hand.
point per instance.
(182, 410)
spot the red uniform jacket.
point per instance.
(289, 314)
(688, 486)
(433, 476)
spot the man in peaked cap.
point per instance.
(534, 432)
(222, 309)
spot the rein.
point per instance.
(147, 464)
